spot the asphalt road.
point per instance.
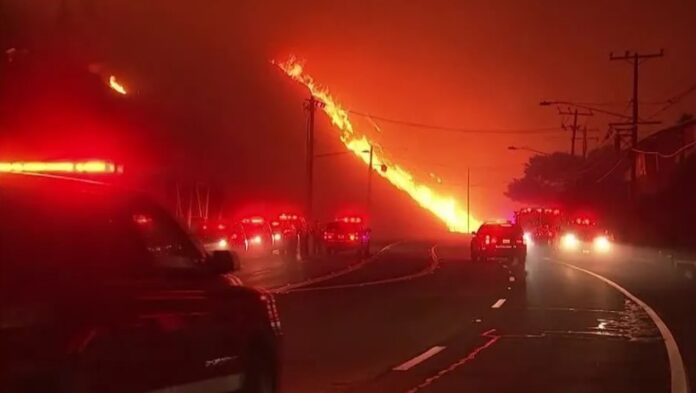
(421, 317)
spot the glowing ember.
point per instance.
(116, 86)
(445, 208)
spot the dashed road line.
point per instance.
(419, 359)
(679, 383)
(491, 337)
(512, 278)
(498, 303)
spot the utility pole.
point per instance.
(311, 105)
(574, 127)
(584, 142)
(369, 182)
(468, 200)
(635, 58)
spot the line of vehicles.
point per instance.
(540, 227)
(286, 234)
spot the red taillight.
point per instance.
(328, 235)
(487, 240)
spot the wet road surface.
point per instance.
(421, 317)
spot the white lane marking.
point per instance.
(434, 263)
(419, 359)
(231, 383)
(298, 285)
(678, 380)
(512, 279)
(498, 304)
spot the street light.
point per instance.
(526, 148)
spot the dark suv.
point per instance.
(102, 291)
(499, 240)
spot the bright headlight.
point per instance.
(601, 244)
(569, 241)
(528, 238)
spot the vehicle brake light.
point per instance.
(352, 236)
(253, 220)
(221, 226)
(355, 220)
(222, 244)
(487, 239)
(256, 240)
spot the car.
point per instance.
(289, 231)
(103, 291)
(259, 236)
(499, 240)
(584, 236)
(346, 234)
(221, 235)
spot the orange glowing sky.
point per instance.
(475, 64)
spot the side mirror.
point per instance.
(473, 233)
(223, 261)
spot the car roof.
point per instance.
(500, 225)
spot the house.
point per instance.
(659, 154)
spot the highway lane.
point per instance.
(275, 271)
(468, 327)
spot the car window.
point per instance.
(167, 243)
(500, 230)
(67, 239)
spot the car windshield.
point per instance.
(77, 239)
(334, 196)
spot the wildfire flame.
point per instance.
(116, 86)
(444, 207)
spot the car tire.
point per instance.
(259, 375)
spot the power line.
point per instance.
(674, 100)
(669, 155)
(610, 171)
(406, 123)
